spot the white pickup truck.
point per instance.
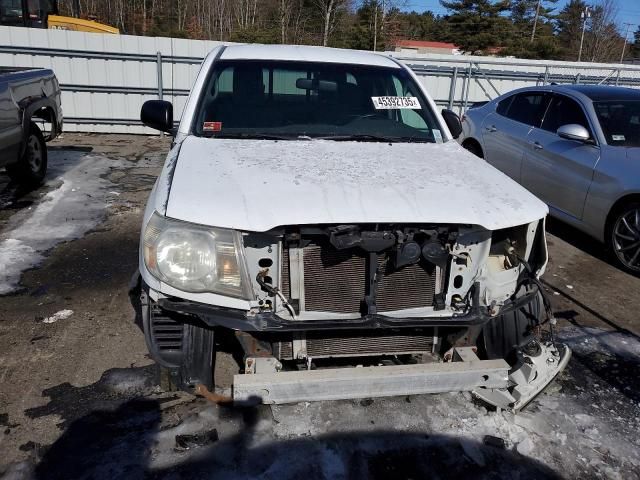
(314, 202)
(27, 96)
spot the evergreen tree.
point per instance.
(476, 25)
(570, 28)
(533, 29)
(421, 26)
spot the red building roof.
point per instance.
(424, 44)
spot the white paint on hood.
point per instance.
(256, 185)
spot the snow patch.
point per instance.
(61, 315)
(587, 340)
(75, 205)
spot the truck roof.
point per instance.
(302, 53)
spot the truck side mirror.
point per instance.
(157, 114)
(453, 122)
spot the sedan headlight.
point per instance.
(195, 258)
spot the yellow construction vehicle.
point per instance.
(44, 14)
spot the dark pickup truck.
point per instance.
(28, 96)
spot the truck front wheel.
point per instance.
(505, 333)
(32, 165)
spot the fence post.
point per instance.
(546, 75)
(618, 78)
(452, 87)
(159, 72)
(578, 78)
(159, 75)
(466, 93)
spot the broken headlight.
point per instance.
(195, 258)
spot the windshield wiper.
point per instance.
(250, 136)
(359, 137)
(366, 137)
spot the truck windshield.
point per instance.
(293, 100)
(620, 121)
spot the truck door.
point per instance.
(505, 131)
(557, 170)
(10, 127)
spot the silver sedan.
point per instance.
(577, 147)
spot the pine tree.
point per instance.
(476, 25)
(570, 28)
(533, 29)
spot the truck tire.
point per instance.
(196, 366)
(183, 349)
(32, 165)
(504, 333)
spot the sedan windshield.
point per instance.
(299, 100)
(620, 121)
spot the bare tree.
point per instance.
(285, 11)
(329, 9)
(603, 40)
(245, 12)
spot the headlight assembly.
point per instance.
(195, 258)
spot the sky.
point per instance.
(628, 11)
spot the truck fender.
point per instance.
(28, 112)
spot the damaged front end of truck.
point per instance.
(357, 310)
(315, 204)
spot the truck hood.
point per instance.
(257, 185)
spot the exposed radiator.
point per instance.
(351, 343)
(336, 280)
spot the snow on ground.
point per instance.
(75, 204)
(61, 315)
(583, 426)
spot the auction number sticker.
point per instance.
(387, 103)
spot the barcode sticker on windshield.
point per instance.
(387, 103)
(618, 138)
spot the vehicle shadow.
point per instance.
(581, 241)
(570, 315)
(124, 444)
(577, 238)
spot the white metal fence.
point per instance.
(106, 78)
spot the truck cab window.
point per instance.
(301, 99)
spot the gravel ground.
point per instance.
(77, 389)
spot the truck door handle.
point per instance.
(491, 129)
(537, 145)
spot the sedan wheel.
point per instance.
(626, 237)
